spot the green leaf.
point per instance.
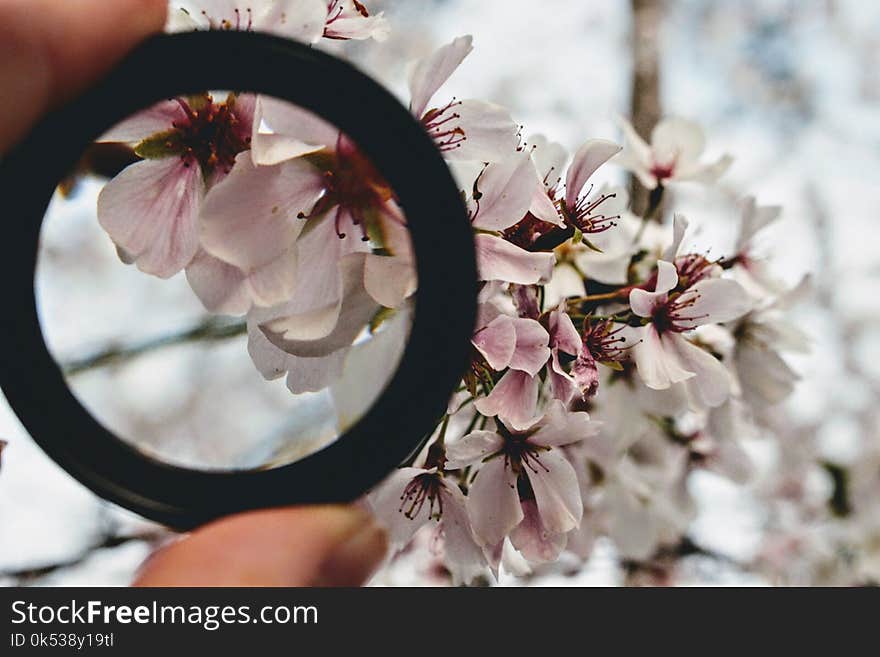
(163, 144)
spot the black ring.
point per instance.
(434, 359)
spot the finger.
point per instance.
(51, 49)
(298, 546)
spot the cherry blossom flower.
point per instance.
(350, 19)
(462, 129)
(749, 268)
(644, 501)
(588, 214)
(501, 196)
(415, 496)
(358, 202)
(664, 356)
(298, 19)
(250, 224)
(151, 210)
(517, 343)
(672, 156)
(525, 488)
(566, 343)
(761, 335)
(575, 210)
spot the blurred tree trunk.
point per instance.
(645, 99)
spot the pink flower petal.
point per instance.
(561, 427)
(390, 508)
(157, 119)
(493, 503)
(506, 189)
(219, 286)
(532, 352)
(150, 210)
(533, 540)
(557, 493)
(514, 399)
(563, 334)
(389, 280)
(463, 555)
(331, 327)
(500, 260)
(252, 217)
(497, 342)
(295, 123)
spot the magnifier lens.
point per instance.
(227, 281)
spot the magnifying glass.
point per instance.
(280, 211)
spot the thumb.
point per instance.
(297, 546)
(51, 49)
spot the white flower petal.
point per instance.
(472, 449)
(587, 159)
(679, 228)
(315, 374)
(431, 72)
(657, 360)
(351, 24)
(711, 383)
(374, 360)
(289, 120)
(490, 134)
(389, 280)
(678, 140)
(643, 302)
(717, 300)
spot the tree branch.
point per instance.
(211, 330)
(645, 108)
(30, 575)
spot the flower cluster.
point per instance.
(609, 361)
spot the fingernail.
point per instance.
(354, 560)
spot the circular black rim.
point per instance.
(434, 358)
